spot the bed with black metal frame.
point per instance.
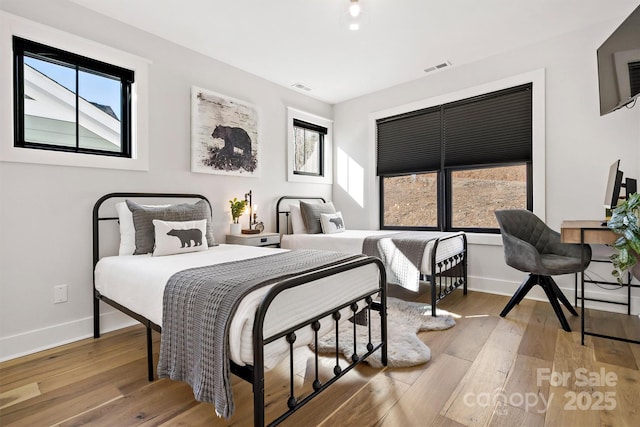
(446, 273)
(255, 374)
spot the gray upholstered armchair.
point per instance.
(532, 247)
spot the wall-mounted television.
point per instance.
(619, 66)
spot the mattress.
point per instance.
(137, 282)
(350, 241)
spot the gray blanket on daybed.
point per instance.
(401, 254)
(198, 306)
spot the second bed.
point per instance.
(443, 262)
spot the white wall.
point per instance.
(580, 145)
(45, 211)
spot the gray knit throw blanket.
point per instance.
(401, 254)
(198, 306)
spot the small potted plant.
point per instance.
(237, 209)
(624, 221)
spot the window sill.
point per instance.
(60, 158)
(484, 239)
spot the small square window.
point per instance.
(68, 102)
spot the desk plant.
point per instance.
(237, 209)
(624, 221)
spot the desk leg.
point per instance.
(583, 298)
(628, 293)
(581, 287)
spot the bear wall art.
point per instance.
(224, 135)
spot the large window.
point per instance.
(68, 102)
(449, 167)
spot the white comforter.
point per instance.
(137, 282)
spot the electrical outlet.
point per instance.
(59, 294)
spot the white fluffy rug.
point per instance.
(404, 320)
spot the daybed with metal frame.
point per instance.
(445, 258)
(371, 300)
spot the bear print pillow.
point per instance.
(332, 223)
(177, 237)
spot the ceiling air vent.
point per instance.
(438, 67)
(301, 87)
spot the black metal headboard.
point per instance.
(286, 201)
(97, 218)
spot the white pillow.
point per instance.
(297, 224)
(332, 223)
(127, 230)
(178, 237)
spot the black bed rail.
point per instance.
(286, 213)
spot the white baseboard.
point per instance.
(508, 288)
(33, 341)
(37, 340)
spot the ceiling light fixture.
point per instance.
(354, 8)
(355, 16)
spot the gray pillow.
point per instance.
(143, 221)
(311, 215)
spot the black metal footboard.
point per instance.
(447, 274)
(255, 374)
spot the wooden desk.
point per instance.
(594, 232)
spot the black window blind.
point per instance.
(492, 129)
(487, 129)
(410, 142)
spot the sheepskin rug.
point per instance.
(404, 320)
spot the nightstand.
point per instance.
(262, 239)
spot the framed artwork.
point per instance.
(224, 135)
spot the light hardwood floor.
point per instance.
(521, 370)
